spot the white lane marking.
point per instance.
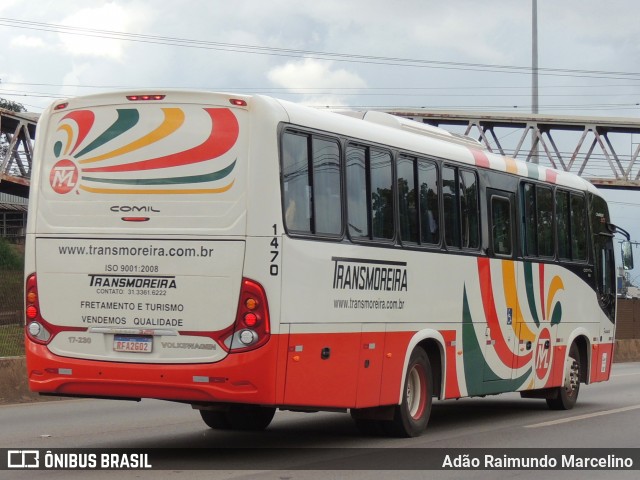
(583, 417)
(624, 374)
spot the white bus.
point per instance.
(243, 254)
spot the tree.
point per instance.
(11, 105)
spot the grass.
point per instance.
(11, 341)
(11, 329)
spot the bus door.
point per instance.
(501, 331)
(605, 283)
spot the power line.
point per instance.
(318, 55)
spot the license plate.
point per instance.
(123, 343)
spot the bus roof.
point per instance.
(378, 127)
(397, 132)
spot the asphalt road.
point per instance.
(607, 416)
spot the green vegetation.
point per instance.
(11, 341)
(10, 259)
(11, 298)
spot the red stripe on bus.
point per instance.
(506, 356)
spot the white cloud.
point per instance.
(310, 73)
(27, 41)
(7, 4)
(313, 75)
(109, 16)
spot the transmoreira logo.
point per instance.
(63, 176)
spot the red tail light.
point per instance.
(252, 327)
(38, 330)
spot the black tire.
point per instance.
(412, 415)
(215, 419)
(239, 417)
(566, 395)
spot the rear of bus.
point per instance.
(136, 285)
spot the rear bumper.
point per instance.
(240, 378)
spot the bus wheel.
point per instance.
(411, 416)
(215, 419)
(566, 395)
(239, 417)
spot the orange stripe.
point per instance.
(157, 191)
(512, 166)
(511, 296)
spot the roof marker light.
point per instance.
(134, 98)
(61, 106)
(238, 102)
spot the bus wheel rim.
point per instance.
(416, 392)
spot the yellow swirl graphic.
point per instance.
(173, 120)
(69, 131)
(556, 284)
(511, 296)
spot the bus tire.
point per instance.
(412, 415)
(566, 395)
(239, 417)
(215, 419)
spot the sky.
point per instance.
(434, 54)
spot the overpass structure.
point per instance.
(17, 132)
(599, 149)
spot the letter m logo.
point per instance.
(543, 354)
(64, 176)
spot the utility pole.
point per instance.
(534, 77)
(534, 57)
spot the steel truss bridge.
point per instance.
(17, 132)
(591, 147)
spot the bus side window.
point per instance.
(501, 231)
(297, 188)
(327, 198)
(544, 210)
(429, 203)
(451, 206)
(407, 199)
(461, 212)
(381, 177)
(563, 228)
(578, 227)
(357, 192)
(469, 209)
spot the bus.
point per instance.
(243, 254)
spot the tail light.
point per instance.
(251, 328)
(36, 329)
(39, 330)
